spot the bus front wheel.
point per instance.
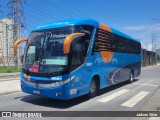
(93, 89)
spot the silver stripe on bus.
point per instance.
(51, 85)
(115, 73)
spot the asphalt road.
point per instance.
(121, 97)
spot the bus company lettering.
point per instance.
(51, 35)
(100, 60)
(114, 61)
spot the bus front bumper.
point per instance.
(58, 92)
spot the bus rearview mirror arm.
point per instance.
(68, 40)
(15, 45)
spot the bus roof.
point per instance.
(70, 22)
(81, 21)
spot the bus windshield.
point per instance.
(44, 51)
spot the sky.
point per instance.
(139, 19)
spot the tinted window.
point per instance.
(106, 41)
(103, 41)
(125, 45)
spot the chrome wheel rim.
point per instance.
(93, 87)
(131, 79)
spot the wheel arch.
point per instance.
(97, 78)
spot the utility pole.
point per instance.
(154, 47)
(17, 15)
(154, 40)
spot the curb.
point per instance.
(2, 80)
(7, 93)
(9, 74)
(142, 68)
(152, 103)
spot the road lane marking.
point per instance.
(112, 96)
(134, 100)
(146, 84)
(154, 118)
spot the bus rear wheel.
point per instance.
(93, 89)
(131, 78)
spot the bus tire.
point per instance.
(131, 77)
(93, 88)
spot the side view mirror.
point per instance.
(15, 45)
(68, 40)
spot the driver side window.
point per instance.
(77, 52)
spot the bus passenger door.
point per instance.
(78, 54)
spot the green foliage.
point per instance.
(158, 109)
(10, 69)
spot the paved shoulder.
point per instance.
(9, 74)
(8, 87)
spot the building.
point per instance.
(158, 52)
(148, 58)
(158, 55)
(6, 42)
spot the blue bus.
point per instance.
(70, 58)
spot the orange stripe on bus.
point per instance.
(104, 27)
(105, 55)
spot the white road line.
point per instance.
(154, 118)
(112, 96)
(146, 84)
(134, 100)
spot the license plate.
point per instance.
(37, 92)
